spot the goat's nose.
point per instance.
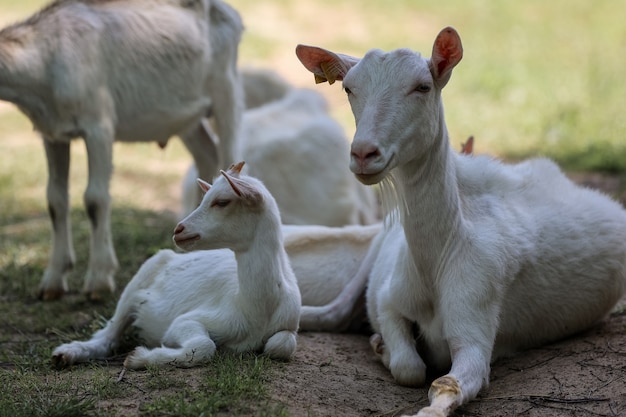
(179, 228)
(364, 153)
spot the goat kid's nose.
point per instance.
(179, 228)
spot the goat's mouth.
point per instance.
(186, 241)
(371, 178)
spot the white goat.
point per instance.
(104, 70)
(289, 142)
(488, 259)
(185, 306)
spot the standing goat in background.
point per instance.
(135, 70)
(487, 259)
(185, 306)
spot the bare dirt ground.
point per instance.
(339, 375)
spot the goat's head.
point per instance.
(395, 98)
(228, 214)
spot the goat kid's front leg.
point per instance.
(54, 283)
(185, 344)
(99, 280)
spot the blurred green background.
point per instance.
(537, 78)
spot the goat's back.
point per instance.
(564, 247)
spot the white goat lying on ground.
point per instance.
(187, 305)
(488, 259)
(135, 70)
(287, 142)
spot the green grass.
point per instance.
(537, 78)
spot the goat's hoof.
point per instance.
(98, 296)
(377, 343)
(59, 361)
(431, 412)
(50, 295)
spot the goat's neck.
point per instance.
(431, 214)
(262, 268)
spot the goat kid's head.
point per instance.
(226, 217)
(395, 98)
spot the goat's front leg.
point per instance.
(471, 334)
(99, 280)
(62, 258)
(185, 344)
(398, 347)
(281, 345)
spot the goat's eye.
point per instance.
(423, 88)
(220, 203)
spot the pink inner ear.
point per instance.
(447, 50)
(232, 183)
(205, 186)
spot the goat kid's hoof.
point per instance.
(136, 359)
(60, 361)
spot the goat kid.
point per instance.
(487, 259)
(107, 70)
(185, 306)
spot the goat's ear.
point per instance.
(205, 186)
(467, 148)
(243, 189)
(447, 52)
(325, 65)
(235, 169)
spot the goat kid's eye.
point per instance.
(220, 203)
(422, 88)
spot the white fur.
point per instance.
(299, 152)
(487, 259)
(184, 306)
(131, 71)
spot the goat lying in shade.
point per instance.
(486, 259)
(185, 306)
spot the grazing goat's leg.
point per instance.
(62, 258)
(227, 109)
(186, 343)
(202, 142)
(102, 260)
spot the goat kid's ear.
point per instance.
(447, 53)
(244, 190)
(205, 186)
(235, 169)
(325, 65)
